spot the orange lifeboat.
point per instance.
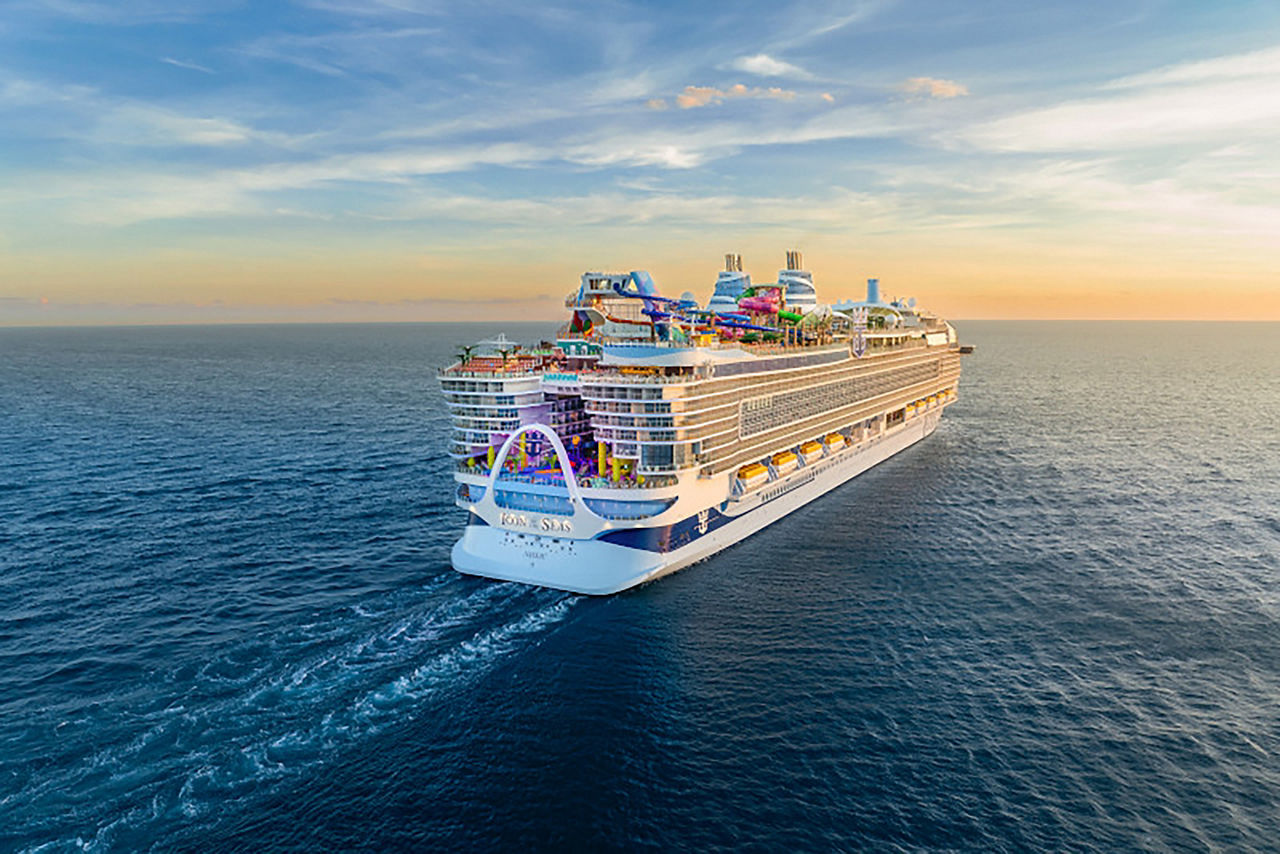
(785, 462)
(752, 476)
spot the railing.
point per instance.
(667, 435)
(499, 401)
(657, 481)
(509, 499)
(488, 375)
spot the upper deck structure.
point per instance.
(653, 432)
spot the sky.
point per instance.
(405, 160)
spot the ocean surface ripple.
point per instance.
(228, 621)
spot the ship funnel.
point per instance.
(794, 260)
(873, 290)
(732, 263)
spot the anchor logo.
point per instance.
(859, 344)
(704, 520)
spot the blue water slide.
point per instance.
(644, 283)
(641, 286)
(719, 321)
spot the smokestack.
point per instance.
(794, 260)
(737, 261)
(873, 290)
(728, 262)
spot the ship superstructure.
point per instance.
(654, 432)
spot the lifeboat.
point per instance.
(834, 441)
(933, 399)
(910, 410)
(785, 462)
(752, 476)
(810, 451)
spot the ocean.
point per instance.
(228, 621)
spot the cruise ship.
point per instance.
(654, 432)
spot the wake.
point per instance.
(260, 725)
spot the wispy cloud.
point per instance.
(188, 65)
(1157, 118)
(388, 50)
(87, 114)
(1208, 102)
(660, 209)
(1188, 200)
(764, 65)
(121, 198)
(702, 96)
(1259, 63)
(812, 28)
(135, 124)
(932, 87)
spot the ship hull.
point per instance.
(601, 566)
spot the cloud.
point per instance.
(1211, 101)
(118, 197)
(860, 13)
(828, 97)
(1161, 117)
(135, 124)
(121, 199)
(803, 29)
(83, 113)
(399, 52)
(1188, 200)
(1260, 63)
(656, 103)
(764, 65)
(833, 210)
(189, 65)
(932, 87)
(702, 96)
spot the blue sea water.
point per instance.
(228, 622)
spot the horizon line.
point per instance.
(176, 324)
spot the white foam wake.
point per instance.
(200, 759)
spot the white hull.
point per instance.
(597, 567)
